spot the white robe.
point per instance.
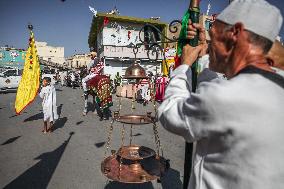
(86, 79)
(72, 77)
(48, 94)
(238, 127)
(145, 93)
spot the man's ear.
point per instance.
(235, 34)
(236, 31)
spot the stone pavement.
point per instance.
(71, 156)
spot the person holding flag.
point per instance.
(29, 84)
(48, 95)
(236, 124)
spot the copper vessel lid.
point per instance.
(135, 71)
(135, 119)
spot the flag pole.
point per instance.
(30, 26)
(194, 11)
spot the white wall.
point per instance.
(151, 67)
(125, 52)
(54, 54)
(116, 34)
(114, 66)
(122, 34)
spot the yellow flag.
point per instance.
(29, 84)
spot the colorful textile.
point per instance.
(101, 86)
(161, 84)
(98, 68)
(182, 37)
(29, 84)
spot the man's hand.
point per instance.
(189, 53)
(192, 32)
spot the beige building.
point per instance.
(78, 60)
(53, 55)
(207, 21)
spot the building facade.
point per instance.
(53, 56)
(113, 38)
(78, 60)
(207, 21)
(12, 57)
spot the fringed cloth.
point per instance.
(101, 86)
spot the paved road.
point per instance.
(70, 157)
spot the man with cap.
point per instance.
(94, 61)
(236, 124)
(90, 70)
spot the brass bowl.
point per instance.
(134, 119)
(135, 152)
(113, 169)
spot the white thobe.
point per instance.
(278, 71)
(48, 94)
(62, 77)
(145, 92)
(72, 77)
(238, 127)
(87, 78)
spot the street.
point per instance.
(70, 157)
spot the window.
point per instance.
(9, 73)
(151, 36)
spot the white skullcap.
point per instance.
(258, 16)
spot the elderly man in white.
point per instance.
(236, 124)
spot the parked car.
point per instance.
(10, 79)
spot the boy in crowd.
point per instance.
(48, 94)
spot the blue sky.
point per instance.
(68, 23)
